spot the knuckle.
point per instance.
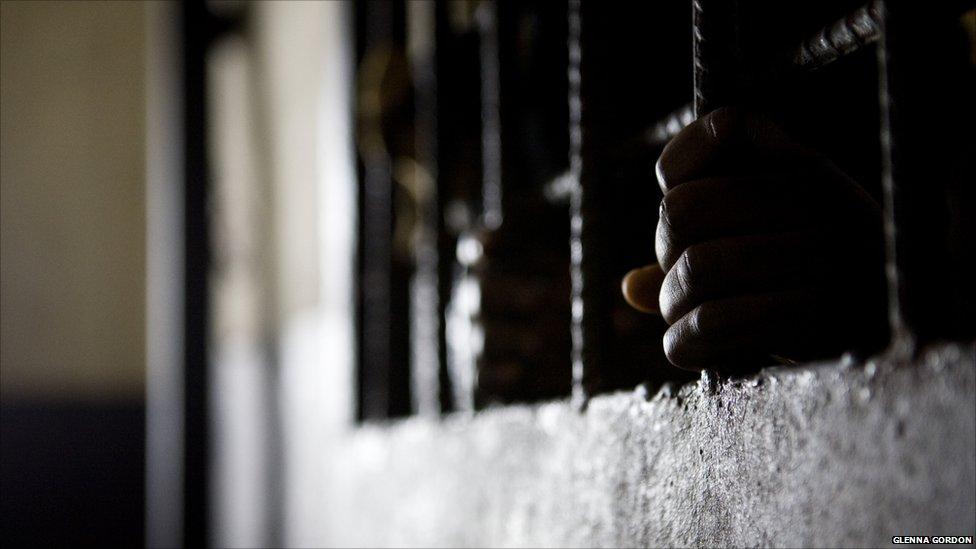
(668, 233)
(674, 346)
(662, 244)
(698, 263)
(664, 238)
(664, 211)
(680, 342)
(682, 288)
(689, 263)
(670, 298)
(704, 317)
(678, 209)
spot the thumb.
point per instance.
(641, 288)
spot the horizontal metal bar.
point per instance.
(845, 36)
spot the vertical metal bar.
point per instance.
(458, 51)
(590, 311)
(384, 341)
(717, 70)
(376, 246)
(575, 210)
(376, 251)
(576, 221)
(491, 132)
(444, 42)
(928, 201)
(424, 288)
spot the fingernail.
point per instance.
(641, 288)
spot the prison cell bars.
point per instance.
(843, 37)
(927, 301)
(719, 79)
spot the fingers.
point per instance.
(750, 226)
(726, 334)
(710, 144)
(736, 266)
(707, 209)
(642, 286)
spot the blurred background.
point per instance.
(233, 231)
(73, 271)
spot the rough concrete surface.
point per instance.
(832, 454)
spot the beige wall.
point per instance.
(72, 193)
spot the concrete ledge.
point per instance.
(823, 455)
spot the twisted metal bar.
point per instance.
(575, 199)
(717, 56)
(843, 37)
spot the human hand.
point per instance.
(764, 248)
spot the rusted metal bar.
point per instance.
(717, 57)
(590, 303)
(843, 37)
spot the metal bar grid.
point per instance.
(931, 309)
(720, 77)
